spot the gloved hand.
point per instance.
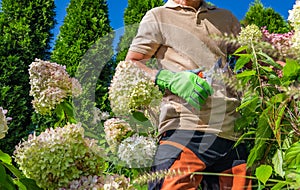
(186, 85)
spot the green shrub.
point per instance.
(25, 28)
(58, 156)
(259, 15)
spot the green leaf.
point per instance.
(278, 98)
(246, 74)
(260, 186)
(5, 180)
(267, 59)
(68, 109)
(287, 142)
(291, 69)
(239, 50)
(5, 158)
(139, 116)
(30, 184)
(14, 170)
(254, 100)
(277, 161)
(242, 60)
(263, 173)
(278, 186)
(20, 185)
(279, 116)
(254, 153)
(268, 69)
(291, 154)
(263, 133)
(59, 112)
(243, 136)
(2, 174)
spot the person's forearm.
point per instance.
(138, 59)
(150, 72)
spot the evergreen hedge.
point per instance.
(25, 34)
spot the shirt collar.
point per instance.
(204, 7)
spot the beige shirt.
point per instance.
(180, 38)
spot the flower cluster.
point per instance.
(115, 131)
(250, 34)
(294, 15)
(131, 89)
(117, 182)
(50, 85)
(277, 45)
(281, 42)
(3, 122)
(114, 182)
(137, 151)
(85, 182)
(294, 18)
(58, 156)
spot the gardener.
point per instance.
(197, 116)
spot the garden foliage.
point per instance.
(7, 169)
(58, 156)
(25, 34)
(269, 84)
(261, 16)
(84, 147)
(84, 46)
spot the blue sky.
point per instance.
(238, 7)
(116, 9)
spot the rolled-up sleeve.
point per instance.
(148, 38)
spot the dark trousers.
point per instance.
(185, 152)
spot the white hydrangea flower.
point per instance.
(250, 34)
(50, 85)
(117, 182)
(294, 15)
(115, 130)
(137, 151)
(3, 122)
(58, 156)
(294, 18)
(131, 89)
(296, 41)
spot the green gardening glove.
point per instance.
(186, 85)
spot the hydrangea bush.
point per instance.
(281, 42)
(115, 131)
(3, 122)
(278, 46)
(270, 103)
(50, 85)
(137, 151)
(58, 156)
(131, 89)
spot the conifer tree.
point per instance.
(25, 34)
(84, 46)
(261, 16)
(85, 23)
(132, 16)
